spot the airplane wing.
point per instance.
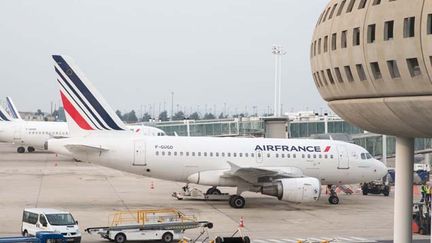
(79, 148)
(260, 175)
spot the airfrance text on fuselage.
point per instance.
(288, 148)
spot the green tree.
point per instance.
(119, 114)
(209, 116)
(194, 116)
(222, 115)
(130, 117)
(146, 117)
(179, 116)
(163, 116)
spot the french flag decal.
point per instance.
(327, 148)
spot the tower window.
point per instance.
(388, 30)
(376, 2)
(356, 36)
(348, 73)
(319, 46)
(344, 39)
(330, 76)
(341, 7)
(361, 72)
(362, 4)
(414, 67)
(334, 36)
(350, 6)
(326, 43)
(323, 77)
(332, 11)
(409, 27)
(338, 75)
(376, 70)
(393, 69)
(325, 15)
(371, 33)
(429, 24)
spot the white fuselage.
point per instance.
(177, 158)
(36, 133)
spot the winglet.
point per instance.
(86, 109)
(12, 109)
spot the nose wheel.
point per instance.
(333, 199)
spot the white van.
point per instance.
(45, 219)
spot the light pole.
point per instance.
(278, 52)
(172, 105)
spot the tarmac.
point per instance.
(92, 193)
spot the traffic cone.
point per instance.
(241, 225)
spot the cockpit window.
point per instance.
(365, 156)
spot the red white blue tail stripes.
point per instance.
(4, 116)
(12, 109)
(81, 100)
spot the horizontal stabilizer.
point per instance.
(80, 148)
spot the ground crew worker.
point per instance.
(424, 192)
(428, 194)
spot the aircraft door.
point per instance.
(139, 153)
(343, 158)
(259, 156)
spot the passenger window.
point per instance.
(303, 156)
(252, 155)
(205, 154)
(314, 156)
(309, 156)
(234, 154)
(268, 155)
(277, 155)
(294, 156)
(181, 153)
(229, 154)
(193, 153)
(211, 154)
(223, 154)
(259, 155)
(187, 153)
(331, 156)
(175, 153)
(246, 155)
(157, 153)
(217, 154)
(325, 156)
(199, 153)
(163, 153)
(283, 155)
(320, 156)
(169, 153)
(240, 154)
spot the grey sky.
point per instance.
(137, 52)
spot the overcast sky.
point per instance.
(137, 52)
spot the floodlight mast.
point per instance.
(278, 52)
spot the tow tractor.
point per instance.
(212, 194)
(377, 187)
(165, 225)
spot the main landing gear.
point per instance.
(237, 201)
(333, 199)
(20, 150)
(30, 149)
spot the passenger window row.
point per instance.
(241, 155)
(321, 77)
(47, 133)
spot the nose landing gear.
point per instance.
(333, 199)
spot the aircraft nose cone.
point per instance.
(382, 170)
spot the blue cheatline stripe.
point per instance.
(82, 101)
(86, 92)
(64, 88)
(3, 117)
(11, 108)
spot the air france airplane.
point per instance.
(34, 134)
(290, 169)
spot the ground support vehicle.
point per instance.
(41, 237)
(196, 194)
(165, 225)
(421, 218)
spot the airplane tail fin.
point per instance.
(4, 116)
(12, 109)
(85, 108)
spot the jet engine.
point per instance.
(297, 190)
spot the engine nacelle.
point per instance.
(294, 189)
